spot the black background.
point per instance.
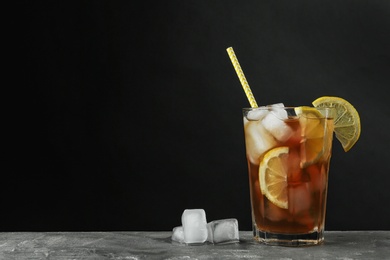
(125, 113)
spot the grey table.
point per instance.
(157, 245)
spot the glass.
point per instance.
(288, 153)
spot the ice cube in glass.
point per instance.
(274, 123)
(257, 140)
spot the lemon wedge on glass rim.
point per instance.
(346, 122)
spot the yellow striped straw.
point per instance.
(241, 76)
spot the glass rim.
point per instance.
(326, 112)
(284, 107)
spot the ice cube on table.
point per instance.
(194, 226)
(178, 234)
(257, 140)
(223, 231)
(274, 123)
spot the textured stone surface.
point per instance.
(158, 245)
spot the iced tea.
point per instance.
(288, 152)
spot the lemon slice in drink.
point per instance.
(313, 131)
(273, 176)
(346, 121)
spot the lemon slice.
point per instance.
(346, 122)
(273, 176)
(313, 131)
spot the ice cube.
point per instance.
(223, 231)
(257, 114)
(277, 105)
(194, 226)
(299, 198)
(257, 140)
(178, 234)
(275, 213)
(279, 111)
(274, 123)
(294, 168)
(318, 178)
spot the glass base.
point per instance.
(276, 239)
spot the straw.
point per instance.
(241, 76)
